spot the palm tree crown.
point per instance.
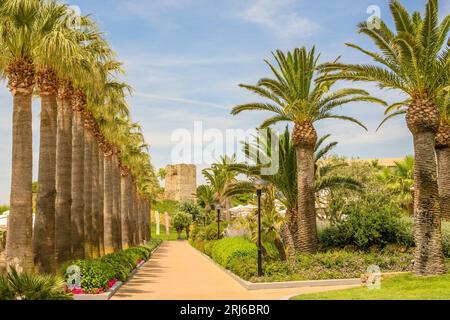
(292, 95)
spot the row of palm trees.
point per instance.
(413, 59)
(95, 178)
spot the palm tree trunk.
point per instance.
(108, 205)
(124, 209)
(133, 212)
(288, 241)
(149, 220)
(19, 252)
(77, 216)
(423, 121)
(135, 216)
(101, 201)
(88, 236)
(95, 203)
(304, 137)
(44, 225)
(63, 244)
(443, 162)
(117, 242)
(429, 258)
(307, 223)
(443, 156)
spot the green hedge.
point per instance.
(225, 250)
(97, 274)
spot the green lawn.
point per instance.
(403, 287)
(172, 237)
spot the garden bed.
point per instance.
(239, 256)
(101, 278)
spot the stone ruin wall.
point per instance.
(181, 182)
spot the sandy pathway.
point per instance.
(179, 272)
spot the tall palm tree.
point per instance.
(412, 59)
(26, 33)
(293, 97)
(44, 226)
(59, 50)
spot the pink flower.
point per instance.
(112, 283)
(78, 291)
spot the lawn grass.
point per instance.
(403, 287)
(172, 237)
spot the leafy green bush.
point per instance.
(226, 249)
(371, 220)
(3, 208)
(98, 273)
(23, 286)
(245, 267)
(190, 208)
(208, 247)
(211, 231)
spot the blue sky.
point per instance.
(185, 58)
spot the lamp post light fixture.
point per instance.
(259, 185)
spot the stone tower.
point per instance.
(181, 182)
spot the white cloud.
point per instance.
(279, 18)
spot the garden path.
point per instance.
(177, 271)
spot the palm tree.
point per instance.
(294, 98)
(413, 60)
(262, 154)
(400, 180)
(22, 38)
(220, 176)
(205, 195)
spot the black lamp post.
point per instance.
(259, 185)
(218, 221)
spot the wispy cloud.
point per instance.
(279, 18)
(152, 96)
(174, 61)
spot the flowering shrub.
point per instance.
(100, 275)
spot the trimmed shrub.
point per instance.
(208, 247)
(227, 249)
(210, 232)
